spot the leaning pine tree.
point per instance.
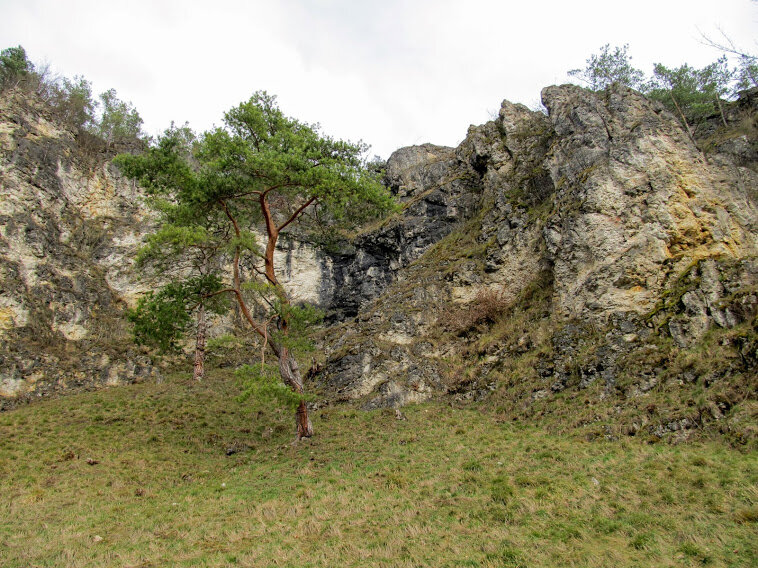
(262, 174)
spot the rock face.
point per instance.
(593, 249)
(574, 243)
(648, 203)
(306, 272)
(437, 192)
(69, 231)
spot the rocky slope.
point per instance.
(595, 248)
(592, 263)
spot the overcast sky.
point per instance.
(392, 73)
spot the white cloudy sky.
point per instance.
(392, 73)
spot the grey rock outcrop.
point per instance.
(437, 192)
(69, 231)
(595, 247)
(596, 210)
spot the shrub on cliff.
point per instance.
(71, 100)
(15, 67)
(608, 67)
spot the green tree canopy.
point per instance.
(14, 66)
(608, 67)
(74, 103)
(692, 93)
(161, 318)
(189, 244)
(237, 189)
(119, 120)
(747, 72)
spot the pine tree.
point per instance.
(261, 170)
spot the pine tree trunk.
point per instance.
(684, 119)
(721, 111)
(290, 372)
(200, 344)
(304, 425)
(288, 367)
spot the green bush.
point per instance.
(15, 67)
(119, 120)
(71, 100)
(73, 103)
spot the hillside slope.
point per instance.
(184, 474)
(591, 263)
(593, 254)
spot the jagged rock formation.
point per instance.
(594, 252)
(69, 231)
(559, 251)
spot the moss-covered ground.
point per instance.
(183, 474)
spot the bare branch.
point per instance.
(727, 47)
(296, 214)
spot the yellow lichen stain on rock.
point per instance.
(685, 178)
(98, 201)
(682, 213)
(6, 318)
(12, 314)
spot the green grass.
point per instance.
(446, 487)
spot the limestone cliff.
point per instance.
(592, 253)
(69, 231)
(592, 246)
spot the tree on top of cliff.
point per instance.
(14, 66)
(690, 93)
(746, 72)
(263, 169)
(71, 100)
(609, 67)
(119, 119)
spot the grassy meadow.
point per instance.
(183, 474)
